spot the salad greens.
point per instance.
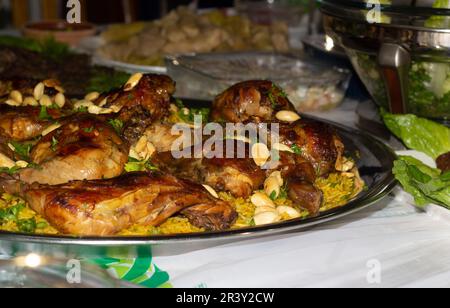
(430, 89)
(419, 134)
(426, 184)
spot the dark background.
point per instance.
(143, 9)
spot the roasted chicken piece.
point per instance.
(254, 101)
(25, 123)
(160, 135)
(83, 148)
(239, 176)
(315, 142)
(443, 162)
(106, 207)
(140, 103)
(305, 195)
(213, 216)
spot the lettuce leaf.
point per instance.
(426, 184)
(437, 21)
(419, 134)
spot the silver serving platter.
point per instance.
(375, 163)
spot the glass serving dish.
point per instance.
(38, 271)
(309, 85)
(269, 11)
(399, 48)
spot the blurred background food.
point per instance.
(23, 59)
(135, 35)
(185, 31)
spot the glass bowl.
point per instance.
(310, 86)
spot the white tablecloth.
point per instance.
(391, 244)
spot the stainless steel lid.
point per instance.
(428, 14)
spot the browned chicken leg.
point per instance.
(84, 148)
(239, 176)
(148, 101)
(106, 207)
(23, 123)
(316, 147)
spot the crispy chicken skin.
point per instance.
(443, 162)
(238, 176)
(305, 195)
(147, 102)
(255, 101)
(316, 143)
(23, 123)
(106, 207)
(214, 216)
(84, 148)
(259, 101)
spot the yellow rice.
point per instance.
(337, 188)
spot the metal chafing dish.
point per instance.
(400, 49)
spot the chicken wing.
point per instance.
(255, 101)
(148, 101)
(84, 148)
(106, 207)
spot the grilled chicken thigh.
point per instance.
(106, 207)
(148, 101)
(314, 142)
(239, 176)
(255, 101)
(316, 146)
(84, 148)
(23, 123)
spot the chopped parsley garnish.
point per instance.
(54, 144)
(10, 171)
(27, 225)
(193, 112)
(272, 100)
(35, 166)
(283, 192)
(273, 196)
(179, 103)
(116, 124)
(135, 165)
(82, 109)
(274, 93)
(42, 225)
(43, 114)
(22, 149)
(11, 214)
(297, 150)
(88, 130)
